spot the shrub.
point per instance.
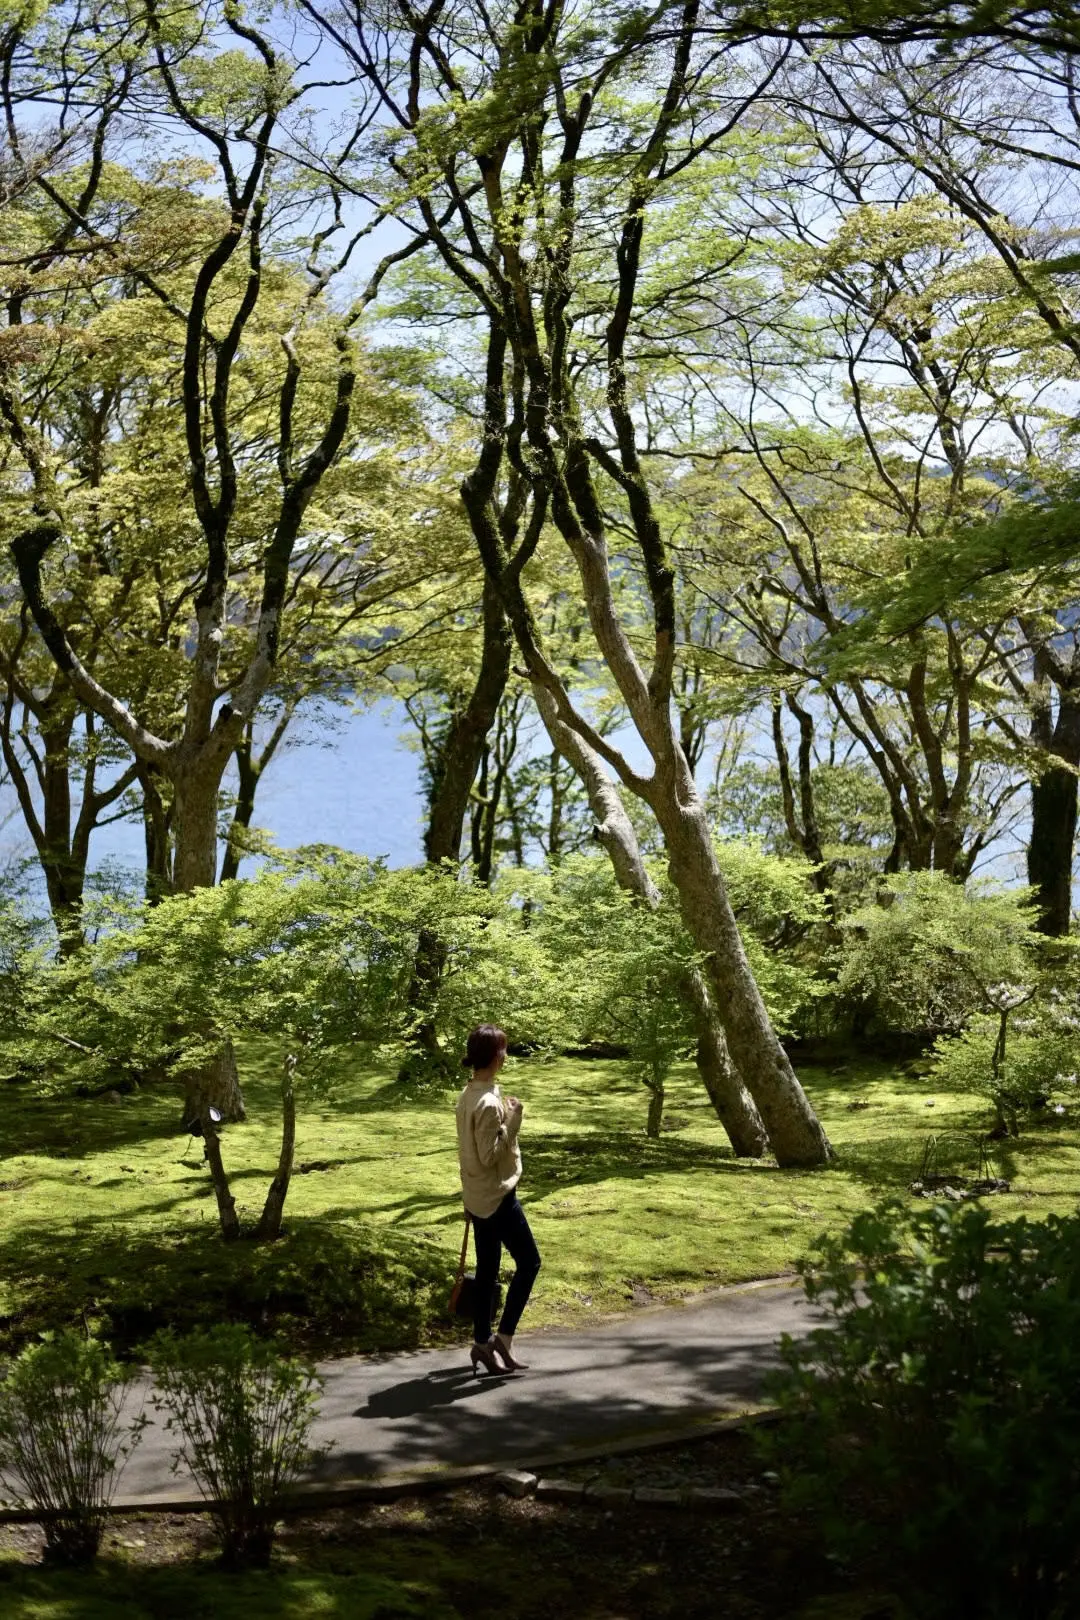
(1028, 1080)
(922, 955)
(62, 1434)
(244, 1414)
(935, 1425)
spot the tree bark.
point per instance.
(1054, 808)
(226, 1203)
(269, 1226)
(195, 867)
(157, 836)
(215, 1085)
(452, 780)
(460, 756)
(795, 1134)
(1050, 847)
(656, 1110)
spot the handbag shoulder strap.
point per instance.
(464, 1245)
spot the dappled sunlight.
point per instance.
(618, 1217)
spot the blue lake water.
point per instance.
(355, 784)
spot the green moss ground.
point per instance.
(106, 1211)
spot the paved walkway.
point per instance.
(656, 1369)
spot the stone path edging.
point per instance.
(428, 1481)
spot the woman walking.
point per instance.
(490, 1159)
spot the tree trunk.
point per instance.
(1050, 847)
(460, 756)
(732, 1103)
(656, 1109)
(248, 782)
(615, 832)
(195, 807)
(64, 876)
(226, 1203)
(1053, 813)
(157, 835)
(269, 1226)
(794, 1131)
(217, 1084)
(452, 781)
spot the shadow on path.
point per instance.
(418, 1395)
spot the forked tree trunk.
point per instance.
(615, 832)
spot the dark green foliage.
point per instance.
(324, 1283)
(935, 1424)
(242, 1412)
(63, 1434)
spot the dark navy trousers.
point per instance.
(509, 1229)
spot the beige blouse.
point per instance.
(488, 1151)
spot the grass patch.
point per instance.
(116, 1591)
(107, 1216)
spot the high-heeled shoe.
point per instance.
(507, 1357)
(483, 1355)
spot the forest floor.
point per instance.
(473, 1553)
(107, 1217)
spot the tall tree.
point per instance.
(230, 102)
(526, 147)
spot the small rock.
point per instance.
(657, 1496)
(111, 1097)
(717, 1499)
(559, 1490)
(516, 1483)
(599, 1492)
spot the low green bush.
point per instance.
(934, 1426)
(1030, 1079)
(63, 1434)
(920, 956)
(328, 1285)
(243, 1412)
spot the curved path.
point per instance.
(658, 1369)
